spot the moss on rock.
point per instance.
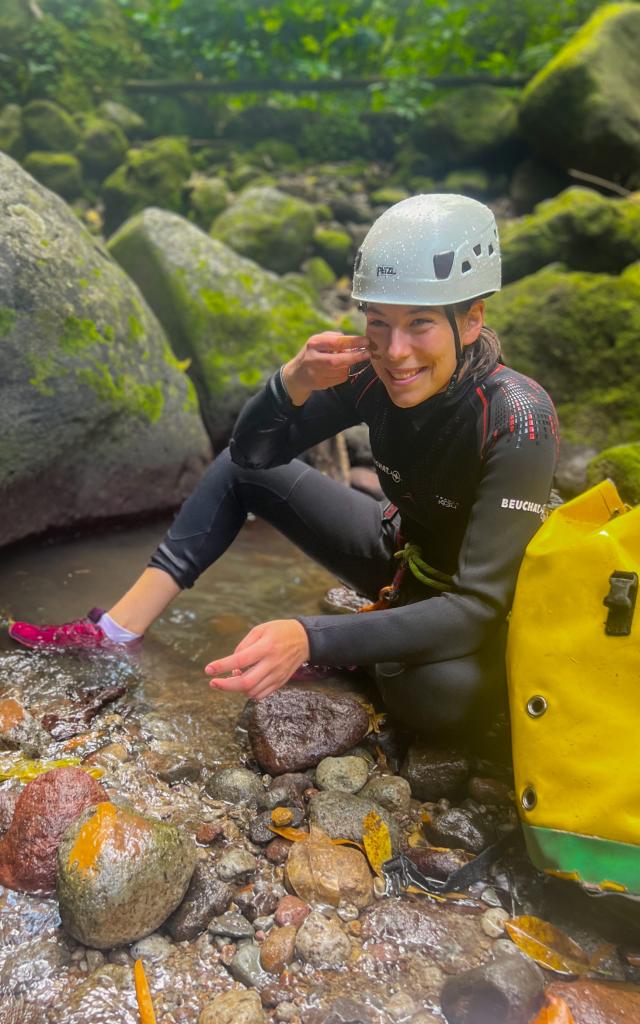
(234, 321)
(153, 174)
(207, 198)
(127, 119)
(334, 245)
(469, 127)
(580, 228)
(318, 273)
(47, 126)
(102, 146)
(61, 172)
(268, 226)
(577, 334)
(622, 465)
(11, 135)
(582, 109)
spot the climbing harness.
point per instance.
(410, 557)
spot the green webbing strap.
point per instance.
(411, 556)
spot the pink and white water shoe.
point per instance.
(80, 635)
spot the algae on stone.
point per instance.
(207, 197)
(48, 126)
(469, 127)
(234, 321)
(152, 174)
(582, 109)
(102, 146)
(622, 465)
(61, 172)
(580, 227)
(268, 226)
(334, 245)
(577, 334)
(96, 411)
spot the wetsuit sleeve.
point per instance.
(270, 430)
(514, 484)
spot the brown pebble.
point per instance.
(227, 953)
(208, 832)
(489, 791)
(281, 816)
(354, 928)
(278, 949)
(384, 952)
(311, 792)
(277, 850)
(291, 910)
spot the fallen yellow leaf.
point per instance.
(295, 835)
(547, 945)
(143, 995)
(377, 841)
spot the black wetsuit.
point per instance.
(468, 473)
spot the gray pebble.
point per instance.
(493, 922)
(234, 862)
(154, 947)
(233, 926)
(400, 1006)
(245, 966)
(342, 774)
(390, 791)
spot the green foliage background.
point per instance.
(103, 42)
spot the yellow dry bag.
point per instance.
(573, 662)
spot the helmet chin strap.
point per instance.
(453, 323)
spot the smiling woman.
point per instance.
(453, 431)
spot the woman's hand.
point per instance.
(263, 661)
(322, 362)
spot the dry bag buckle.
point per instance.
(621, 602)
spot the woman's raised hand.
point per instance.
(263, 661)
(322, 362)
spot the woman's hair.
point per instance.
(480, 357)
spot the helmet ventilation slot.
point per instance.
(443, 264)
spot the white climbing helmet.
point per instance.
(429, 250)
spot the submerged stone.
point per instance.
(45, 809)
(317, 870)
(120, 876)
(508, 990)
(206, 897)
(453, 939)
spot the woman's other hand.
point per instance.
(263, 661)
(322, 362)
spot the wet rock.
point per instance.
(341, 816)
(291, 910)
(285, 789)
(245, 966)
(174, 768)
(107, 756)
(464, 828)
(295, 729)
(508, 990)
(345, 1010)
(235, 785)
(318, 870)
(493, 922)
(231, 926)
(438, 863)
(261, 832)
(451, 938)
(322, 942)
(8, 800)
(234, 1008)
(206, 897)
(433, 774)
(598, 1002)
(154, 947)
(390, 791)
(278, 948)
(342, 774)
(19, 731)
(278, 850)
(45, 808)
(236, 862)
(261, 899)
(120, 875)
(400, 1006)
(207, 833)
(75, 721)
(489, 791)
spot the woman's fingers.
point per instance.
(238, 661)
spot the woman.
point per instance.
(465, 450)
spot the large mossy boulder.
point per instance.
(268, 226)
(120, 875)
(97, 417)
(582, 109)
(127, 119)
(102, 147)
(469, 127)
(207, 197)
(61, 172)
(622, 465)
(580, 228)
(577, 334)
(152, 175)
(234, 321)
(47, 126)
(11, 134)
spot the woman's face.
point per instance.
(413, 349)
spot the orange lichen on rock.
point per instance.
(11, 714)
(105, 826)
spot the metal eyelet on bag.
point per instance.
(529, 798)
(536, 706)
